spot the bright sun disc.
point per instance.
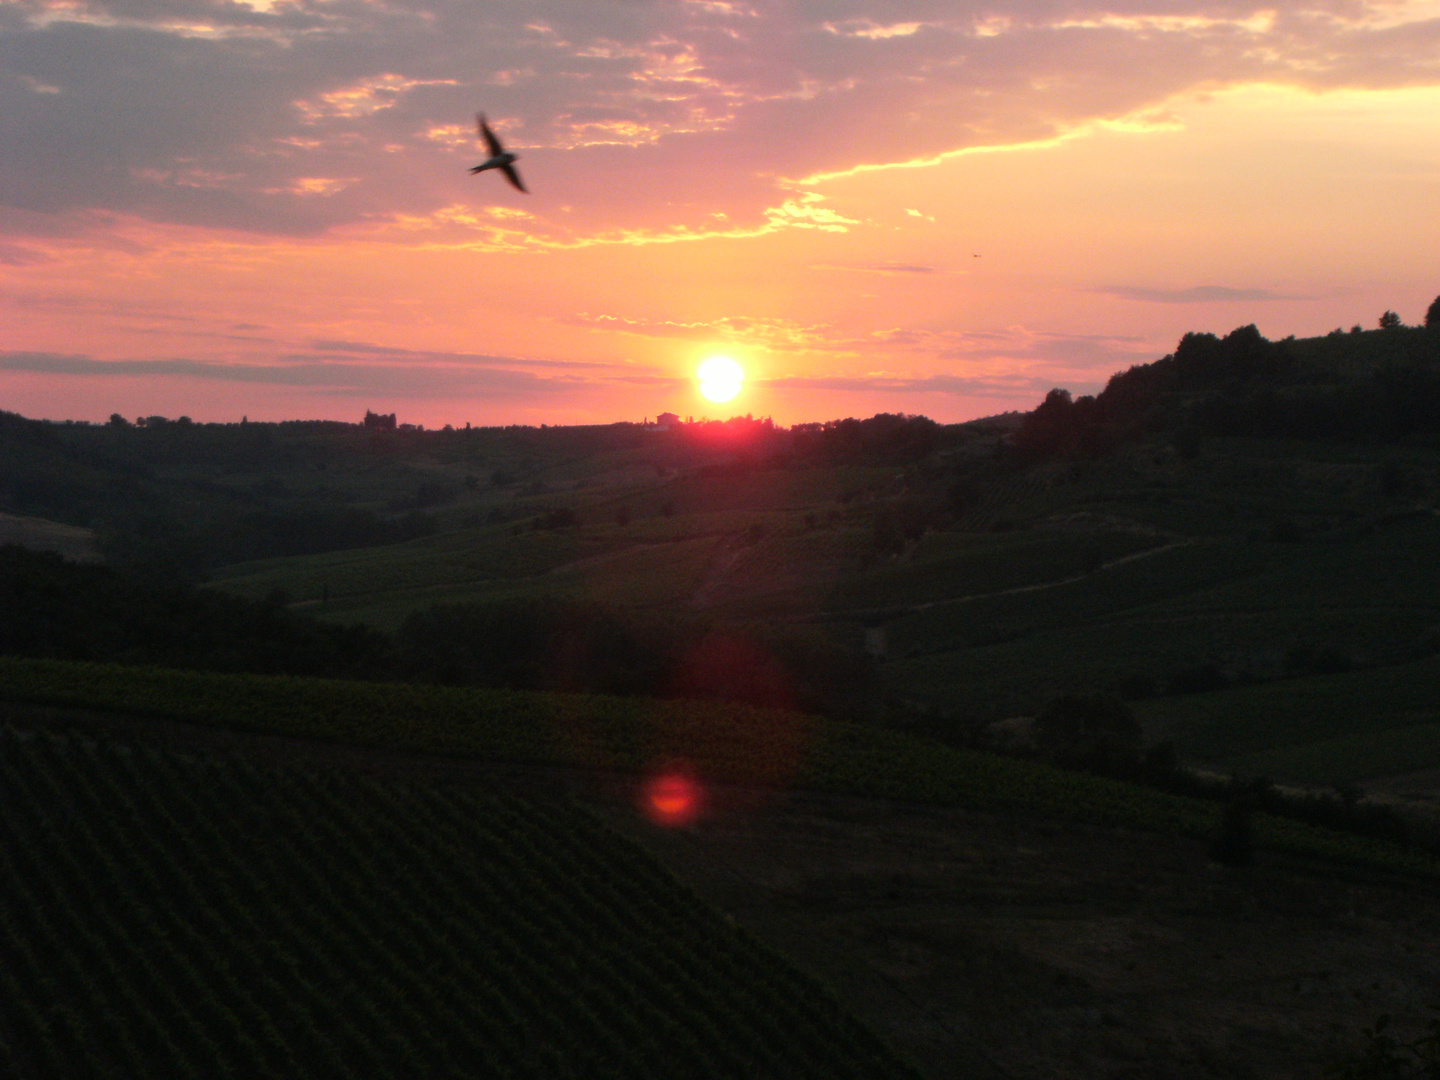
(720, 378)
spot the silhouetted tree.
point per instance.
(1048, 428)
(1389, 321)
(1432, 316)
(379, 421)
(90, 611)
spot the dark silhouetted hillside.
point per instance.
(1378, 385)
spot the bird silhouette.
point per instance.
(499, 158)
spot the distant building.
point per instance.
(667, 420)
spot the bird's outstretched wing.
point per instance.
(491, 142)
(513, 176)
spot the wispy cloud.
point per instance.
(394, 372)
(1198, 294)
(298, 118)
(880, 386)
(888, 269)
(335, 348)
(760, 332)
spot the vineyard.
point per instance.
(465, 556)
(181, 917)
(1237, 605)
(721, 743)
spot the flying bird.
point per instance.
(499, 158)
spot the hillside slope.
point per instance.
(182, 916)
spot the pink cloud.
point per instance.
(643, 116)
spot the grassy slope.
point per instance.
(980, 622)
(1240, 605)
(1323, 729)
(43, 535)
(721, 743)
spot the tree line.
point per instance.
(50, 607)
(1381, 385)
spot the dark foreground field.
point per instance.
(1026, 949)
(991, 945)
(199, 914)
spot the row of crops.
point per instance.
(719, 743)
(172, 916)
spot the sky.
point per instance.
(262, 208)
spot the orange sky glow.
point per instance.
(263, 208)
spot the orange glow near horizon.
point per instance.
(992, 235)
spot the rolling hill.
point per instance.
(829, 629)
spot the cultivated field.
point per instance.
(181, 916)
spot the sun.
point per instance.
(720, 378)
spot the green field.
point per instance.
(1246, 607)
(1324, 729)
(72, 542)
(654, 560)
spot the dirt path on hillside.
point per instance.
(1134, 557)
(991, 946)
(885, 614)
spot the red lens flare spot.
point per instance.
(672, 799)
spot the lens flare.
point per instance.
(720, 378)
(672, 798)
